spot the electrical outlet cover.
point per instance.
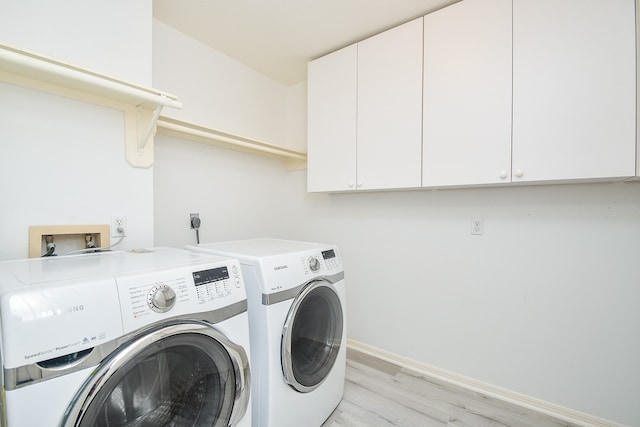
(118, 222)
(477, 226)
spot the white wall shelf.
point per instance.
(142, 106)
(49, 70)
(294, 160)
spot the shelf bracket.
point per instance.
(150, 128)
(141, 125)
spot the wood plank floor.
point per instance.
(381, 394)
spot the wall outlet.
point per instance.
(477, 226)
(118, 226)
(194, 220)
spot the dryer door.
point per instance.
(179, 374)
(311, 336)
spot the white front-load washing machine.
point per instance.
(297, 319)
(155, 337)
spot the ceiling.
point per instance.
(279, 37)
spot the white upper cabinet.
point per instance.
(389, 118)
(482, 92)
(365, 114)
(331, 123)
(467, 94)
(574, 76)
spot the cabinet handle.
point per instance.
(359, 183)
(503, 174)
(519, 173)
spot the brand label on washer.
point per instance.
(46, 322)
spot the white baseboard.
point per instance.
(505, 395)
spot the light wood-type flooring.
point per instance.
(381, 394)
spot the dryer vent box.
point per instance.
(66, 238)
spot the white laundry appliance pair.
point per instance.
(157, 337)
(297, 317)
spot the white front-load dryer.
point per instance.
(297, 318)
(155, 337)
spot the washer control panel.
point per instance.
(216, 282)
(161, 298)
(147, 298)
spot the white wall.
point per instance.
(296, 117)
(111, 38)
(545, 303)
(238, 195)
(217, 91)
(62, 161)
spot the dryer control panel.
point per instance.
(278, 264)
(323, 260)
(288, 271)
(328, 257)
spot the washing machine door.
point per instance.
(312, 336)
(181, 374)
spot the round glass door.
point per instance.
(181, 375)
(312, 336)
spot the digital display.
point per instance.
(328, 254)
(210, 276)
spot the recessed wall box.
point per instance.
(67, 238)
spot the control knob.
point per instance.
(161, 298)
(314, 263)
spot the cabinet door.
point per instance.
(331, 121)
(390, 108)
(467, 94)
(574, 75)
